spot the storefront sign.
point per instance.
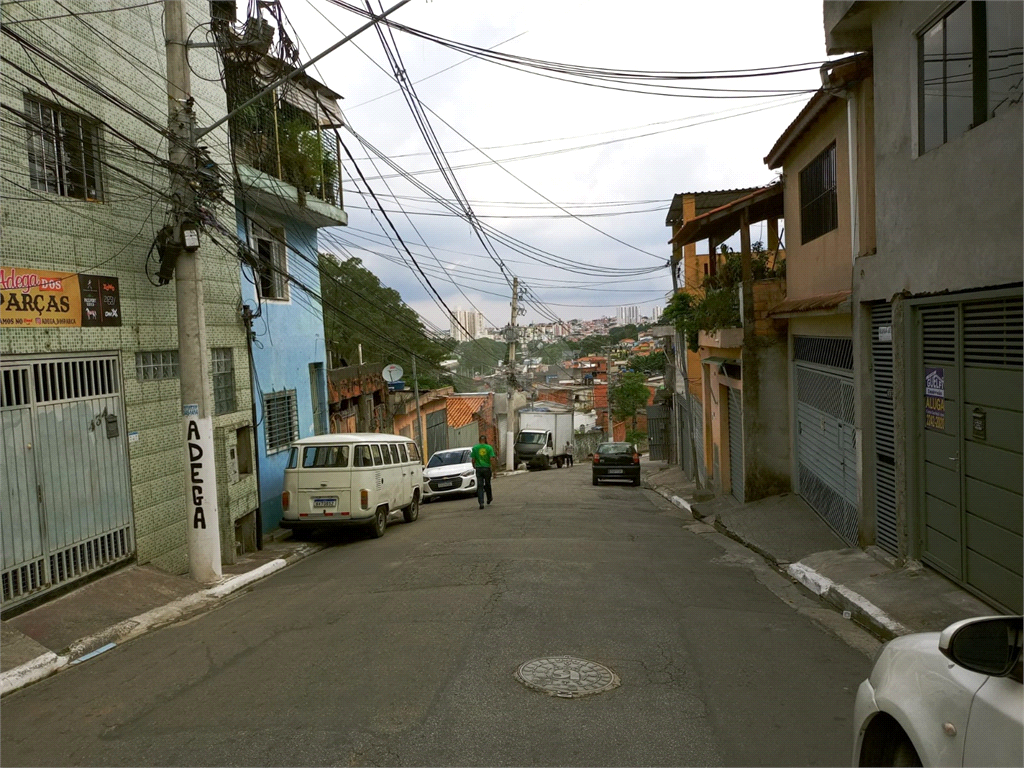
(39, 299)
(935, 398)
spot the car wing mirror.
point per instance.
(990, 645)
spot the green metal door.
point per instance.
(971, 444)
(736, 443)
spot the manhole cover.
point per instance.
(566, 676)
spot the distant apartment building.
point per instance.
(627, 315)
(468, 325)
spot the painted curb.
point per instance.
(677, 501)
(846, 599)
(31, 671)
(49, 663)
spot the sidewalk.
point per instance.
(115, 608)
(887, 600)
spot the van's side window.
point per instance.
(395, 458)
(325, 456)
(293, 458)
(386, 454)
(402, 452)
(375, 450)
(362, 457)
(414, 452)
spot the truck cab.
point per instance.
(535, 447)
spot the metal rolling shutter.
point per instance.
(885, 446)
(736, 443)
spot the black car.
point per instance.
(617, 461)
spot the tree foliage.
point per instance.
(629, 396)
(480, 356)
(651, 365)
(717, 305)
(357, 308)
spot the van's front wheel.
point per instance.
(380, 522)
(412, 512)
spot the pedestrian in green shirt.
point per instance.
(483, 458)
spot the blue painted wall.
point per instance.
(289, 336)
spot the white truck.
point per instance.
(544, 432)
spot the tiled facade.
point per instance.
(123, 54)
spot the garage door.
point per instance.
(825, 437)
(969, 376)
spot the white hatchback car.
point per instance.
(950, 698)
(449, 473)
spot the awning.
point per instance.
(723, 222)
(721, 362)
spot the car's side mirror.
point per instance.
(989, 645)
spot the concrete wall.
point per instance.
(949, 219)
(45, 231)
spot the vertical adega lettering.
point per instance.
(195, 458)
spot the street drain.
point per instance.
(566, 677)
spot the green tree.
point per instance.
(629, 396)
(623, 332)
(359, 310)
(652, 364)
(480, 356)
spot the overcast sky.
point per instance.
(622, 189)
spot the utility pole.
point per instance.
(510, 459)
(419, 414)
(608, 377)
(202, 520)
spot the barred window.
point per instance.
(153, 366)
(223, 380)
(819, 207)
(272, 266)
(282, 419)
(63, 151)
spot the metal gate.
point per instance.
(969, 382)
(66, 496)
(697, 425)
(885, 442)
(825, 436)
(437, 431)
(736, 443)
(658, 417)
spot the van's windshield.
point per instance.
(450, 458)
(531, 437)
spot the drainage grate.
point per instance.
(567, 677)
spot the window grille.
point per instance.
(152, 366)
(63, 151)
(272, 262)
(282, 419)
(971, 62)
(819, 207)
(223, 380)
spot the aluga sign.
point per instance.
(201, 487)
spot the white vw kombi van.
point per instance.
(356, 479)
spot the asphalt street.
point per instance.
(403, 651)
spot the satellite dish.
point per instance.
(393, 372)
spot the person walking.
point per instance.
(568, 452)
(483, 460)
